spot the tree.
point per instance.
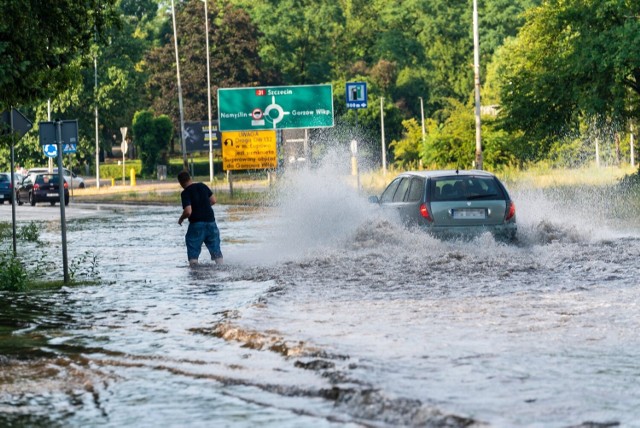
(299, 38)
(234, 59)
(152, 135)
(573, 62)
(39, 45)
(451, 142)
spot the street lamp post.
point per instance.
(175, 42)
(384, 151)
(95, 100)
(422, 118)
(476, 73)
(206, 29)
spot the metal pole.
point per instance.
(175, 42)
(95, 100)
(422, 119)
(206, 27)
(384, 151)
(13, 185)
(305, 147)
(63, 221)
(476, 73)
(632, 143)
(50, 161)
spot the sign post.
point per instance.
(63, 222)
(64, 135)
(21, 125)
(275, 107)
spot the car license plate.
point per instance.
(471, 213)
(52, 195)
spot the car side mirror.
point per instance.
(374, 199)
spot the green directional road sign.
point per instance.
(275, 107)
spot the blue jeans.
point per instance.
(200, 232)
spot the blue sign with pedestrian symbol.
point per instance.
(356, 95)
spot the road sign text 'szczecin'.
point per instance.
(276, 107)
(249, 150)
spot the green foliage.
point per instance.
(39, 45)
(451, 143)
(572, 61)
(234, 60)
(152, 136)
(13, 276)
(29, 232)
(115, 170)
(407, 150)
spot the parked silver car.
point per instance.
(70, 177)
(452, 203)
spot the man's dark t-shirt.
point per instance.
(197, 195)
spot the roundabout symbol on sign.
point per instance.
(51, 150)
(278, 109)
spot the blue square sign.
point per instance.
(356, 95)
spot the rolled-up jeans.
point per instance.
(202, 232)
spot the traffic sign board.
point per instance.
(21, 124)
(356, 95)
(51, 150)
(275, 107)
(249, 150)
(197, 136)
(68, 131)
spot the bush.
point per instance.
(13, 276)
(115, 170)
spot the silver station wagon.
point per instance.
(452, 203)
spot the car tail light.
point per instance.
(511, 211)
(36, 187)
(424, 212)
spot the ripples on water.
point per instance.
(329, 314)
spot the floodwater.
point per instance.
(328, 314)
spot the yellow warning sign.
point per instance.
(249, 150)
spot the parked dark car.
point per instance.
(6, 189)
(41, 188)
(452, 203)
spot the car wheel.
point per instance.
(52, 203)
(32, 199)
(81, 186)
(66, 202)
(18, 199)
(2, 202)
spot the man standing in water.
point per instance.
(197, 199)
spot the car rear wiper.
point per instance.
(488, 195)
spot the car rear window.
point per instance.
(47, 179)
(465, 188)
(4, 178)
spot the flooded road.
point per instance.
(326, 313)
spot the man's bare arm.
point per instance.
(185, 214)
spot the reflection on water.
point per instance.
(328, 314)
